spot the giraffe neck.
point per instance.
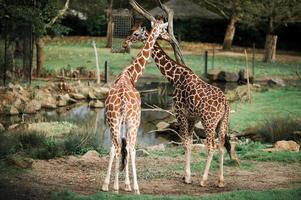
(136, 69)
(171, 69)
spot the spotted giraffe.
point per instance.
(123, 112)
(193, 100)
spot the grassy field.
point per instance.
(280, 103)
(76, 51)
(264, 195)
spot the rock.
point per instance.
(91, 156)
(101, 92)
(159, 147)
(276, 82)
(91, 95)
(32, 107)
(289, 145)
(198, 148)
(243, 75)
(162, 125)
(2, 128)
(77, 96)
(20, 161)
(49, 103)
(213, 74)
(228, 76)
(10, 110)
(62, 100)
(18, 104)
(142, 153)
(96, 104)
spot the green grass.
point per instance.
(254, 151)
(280, 194)
(283, 102)
(71, 53)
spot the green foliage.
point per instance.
(235, 195)
(38, 13)
(254, 151)
(279, 128)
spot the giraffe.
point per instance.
(123, 113)
(193, 99)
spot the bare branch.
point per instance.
(142, 11)
(218, 10)
(175, 45)
(60, 14)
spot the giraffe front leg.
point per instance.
(187, 147)
(210, 146)
(105, 186)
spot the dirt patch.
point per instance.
(160, 175)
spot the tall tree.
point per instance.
(231, 10)
(273, 14)
(43, 15)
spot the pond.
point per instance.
(92, 121)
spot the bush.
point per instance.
(275, 129)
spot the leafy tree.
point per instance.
(43, 15)
(272, 15)
(232, 10)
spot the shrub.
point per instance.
(281, 128)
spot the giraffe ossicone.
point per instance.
(123, 114)
(193, 100)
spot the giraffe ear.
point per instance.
(152, 23)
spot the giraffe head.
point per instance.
(140, 34)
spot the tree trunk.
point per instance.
(270, 49)
(110, 26)
(229, 35)
(40, 55)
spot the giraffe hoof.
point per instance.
(220, 184)
(136, 191)
(128, 188)
(187, 181)
(105, 187)
(116, 191)
(203, 183)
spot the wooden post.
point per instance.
(213, 55)
(248, 82)
(97, 66)
(253, 61)
(206, 62)
(106, 72)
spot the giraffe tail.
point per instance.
(123, 154)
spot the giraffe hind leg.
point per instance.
(105, 186)
(210, 150)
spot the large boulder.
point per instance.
(142, 153)
(32, 107)
(289, 145)
(101, 92)
(244, 75)
(228, 76)
(276, 82)
(91, 156)
(77, 96)
(10, 110)
(62, 100)
(96, 104)
(213, 74)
